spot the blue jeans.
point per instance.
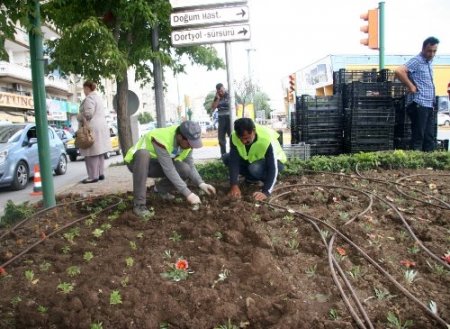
(255, 171)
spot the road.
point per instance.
(76, 171)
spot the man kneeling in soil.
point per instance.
(256, 154)
(166, 153)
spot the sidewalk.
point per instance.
(118, 179)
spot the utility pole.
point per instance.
(381, 35)
(157, 76)
(230, 83)
(40, 106)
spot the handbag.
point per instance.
(84, 138)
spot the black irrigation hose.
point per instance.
(56, 231)
(362, 252)
(333, 263)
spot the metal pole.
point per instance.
(157, 75)
(40, 106)
(381, 34)
(230, 83)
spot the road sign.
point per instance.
(211, 35)
(212, 16)
(200, 3)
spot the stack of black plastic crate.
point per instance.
(369, 117)
(320, 123)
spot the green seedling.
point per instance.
(124, 282)
(218, 235)
(140, 235)
(339, 258)
(97, 232)
(409, 276)
(355, 272)
(414, 250)
(115, 298)
(382, 294)
(150, 215)
(42, 309)
(105, 227)
(89, 222)
(129, 261)
(66, 249)
(344, 216)
(293, 244)
(88, 255)
(175, 237)
(228, 325)
(65, 287)
(69, 237)
(223, 275)
(255, 217)
(133, 245)
(333, 314)
(167, 254)
(73, 271)
(96, 325)
(304, 206)
(164, 325)
(438, 269)
(45, 266)
(288, 218)
(324, 234)
(122, 206)
(395, 322)
(311, 271)
(15, 300)
(29, 275)
(113, 216)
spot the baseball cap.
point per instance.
(192, 132)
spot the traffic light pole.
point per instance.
(381, 34)
(232, 105)
(40, 107)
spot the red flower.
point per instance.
(181, 264)
(407, 263)
(341, 251)
(43, 236)
(2, 271)
(446, 257)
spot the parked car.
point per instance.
(19, 154)
(65, 136)
(74, 152)
(443, 118)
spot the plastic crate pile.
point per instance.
(300, 151)
(320, 123)
(369, 117)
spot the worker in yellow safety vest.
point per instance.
(166, 153)
(255, 153)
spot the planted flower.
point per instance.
(341, 251)
(178, 271)
(407, 263)
(2, 271)
(446, 257)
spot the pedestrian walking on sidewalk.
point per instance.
(256, 154)
(417, 75)
(92, 112)
(222, 104)
(166, 153)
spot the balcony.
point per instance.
(15, 73)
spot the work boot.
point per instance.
(141, 210)
(163, 195)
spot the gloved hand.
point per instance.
(209, 189)
(193, 199)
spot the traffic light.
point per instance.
(292, 83)
(371, 29)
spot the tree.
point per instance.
(145, 117)
(208, 102)
(105, 38)
(261, 103)
(245, 90)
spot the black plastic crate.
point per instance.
(370, 89)
(369, 147)
(327, 149)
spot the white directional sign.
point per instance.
(211, 35)
(200, 3)
(210, 16)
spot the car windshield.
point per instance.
(9, 132)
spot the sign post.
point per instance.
(211, 21)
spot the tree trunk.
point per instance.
(123, 119)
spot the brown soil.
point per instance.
(268, 253)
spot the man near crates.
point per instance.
(166, 153)
(256, 154)
(417, 75)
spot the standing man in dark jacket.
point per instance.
(417, 75)
(222, 104)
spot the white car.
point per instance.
(443, 118)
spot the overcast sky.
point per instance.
(288, 35)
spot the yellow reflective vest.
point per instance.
(164, 136)
(257, 151)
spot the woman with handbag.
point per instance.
(93, 136)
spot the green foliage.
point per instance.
(227, 325)
(88, 255)
(29, 275)
(14, 213)
(65, 287)
(175, 274)
(96, 325)
(208, 102)
(145, 117)
(73, 271)
(42, 309)
(129, 261)
(213, 171)
(261, 103)
(115, 297)
(395, 322)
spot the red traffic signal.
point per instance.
(371, 29)
(292, 83)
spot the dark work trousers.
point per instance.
(143, 167)
(423, 127)
(224, 130)
(94, 165)
(256, 171)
